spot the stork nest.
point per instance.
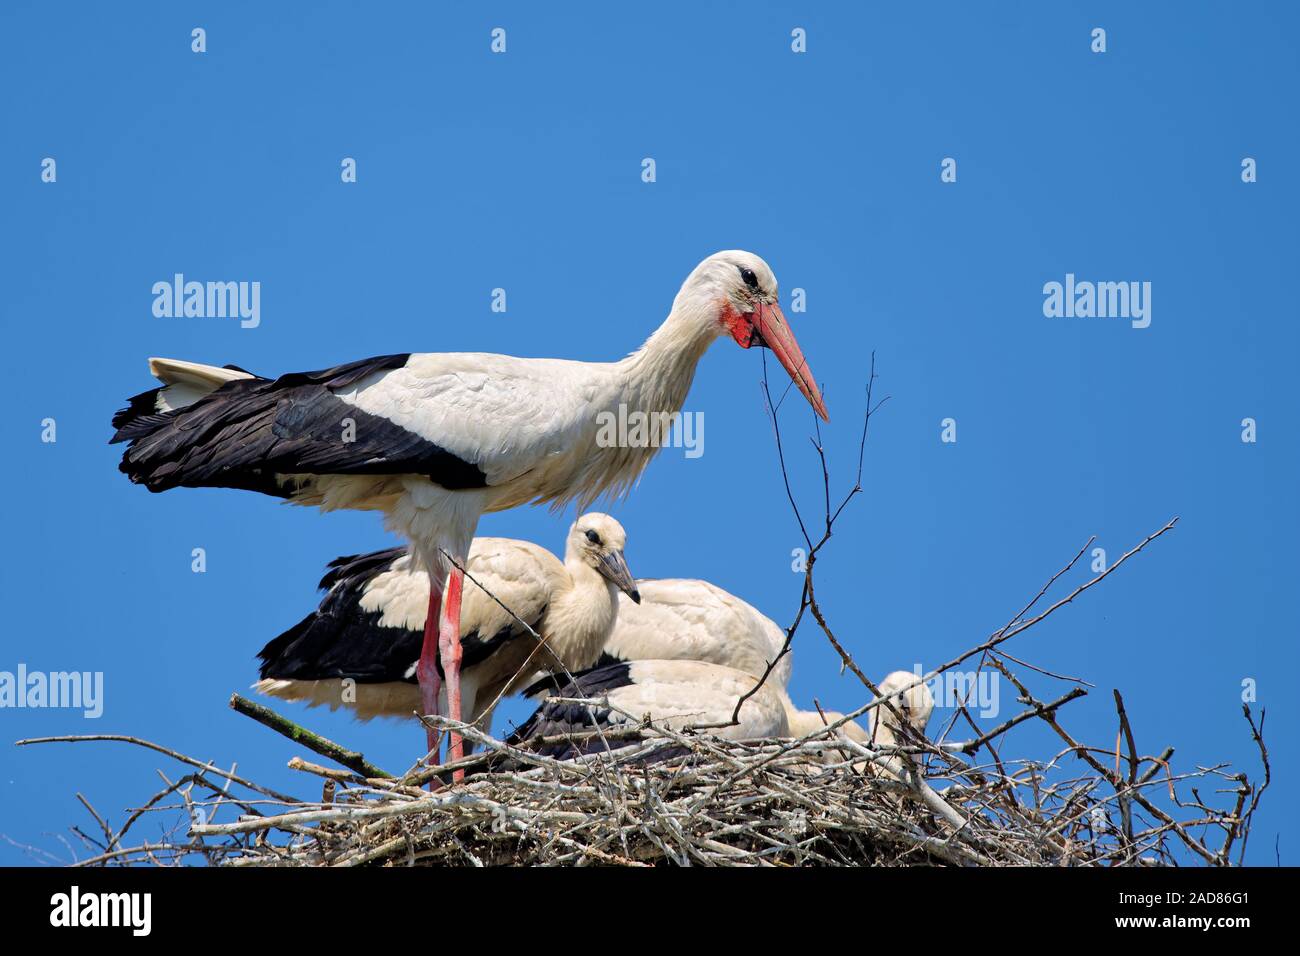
(684, 798)
(652, 795)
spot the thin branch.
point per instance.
(301, 735)
(139, 742)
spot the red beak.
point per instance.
(769, 321)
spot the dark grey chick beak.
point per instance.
(614, 567)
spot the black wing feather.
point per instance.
(342, 639)
(555, 717)
(556, 683)
(559, 717)
(247, 431)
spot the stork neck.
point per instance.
(581, 616)
(662, 369)
(804, 722)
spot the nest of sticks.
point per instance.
(817, 801)
(661, 796)
(653, 795)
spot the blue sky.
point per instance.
(523, 171)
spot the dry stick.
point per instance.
(1009, 632)
(108, 833)
(301, 735)
(810, 594)
(223, 794)
(970, 746)
(1157, 764)
(1044, 671)
(807, 600)
(1084, 754)
(148, 745)
(964, 711)
(140, 811)
(329, 773)
(1257, 734)
(812, 552)
(1125, 804)
(845, 657)
(179, 848)
(1019, 615)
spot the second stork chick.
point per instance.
(672, 694)
(359, 648)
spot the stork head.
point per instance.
(738, 291)
(915, 704)
(598, 540)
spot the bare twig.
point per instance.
(301, 735)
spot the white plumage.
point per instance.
(905, 719)
(674, 695)
(689, 619)
(687, 694)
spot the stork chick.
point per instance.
(689, 619)
(369, 627)
(912, 705)
(672, 694)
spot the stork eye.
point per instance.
(593, 537)
(751, 280)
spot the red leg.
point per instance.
(426, 671)
(449, 646)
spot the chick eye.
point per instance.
(751, 280)
(593, 537)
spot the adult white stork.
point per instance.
(434, 440)
(369, 626)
